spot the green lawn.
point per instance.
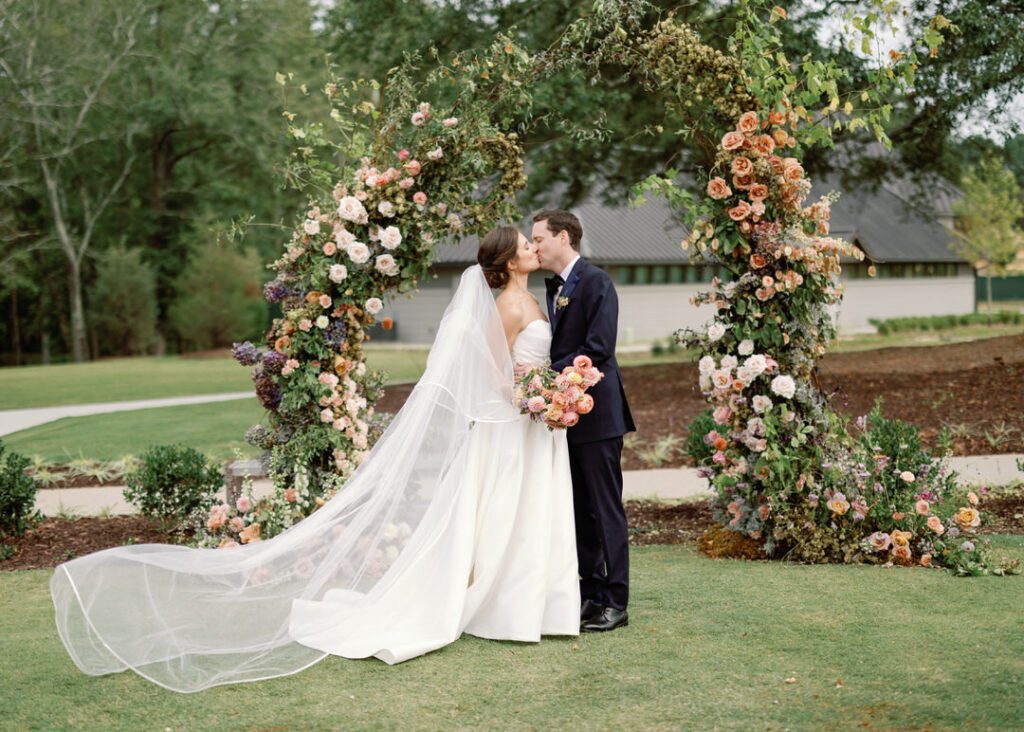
(125, 379)
(710, 646)
(216, 429)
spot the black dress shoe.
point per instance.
(609, 619)
(590, 610)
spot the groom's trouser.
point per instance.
(602, 538)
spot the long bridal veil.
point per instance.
(188, 619)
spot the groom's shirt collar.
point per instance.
(568, 270)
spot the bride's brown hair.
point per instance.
(498, 248)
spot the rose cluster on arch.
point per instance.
(783, 467)
(373, 238)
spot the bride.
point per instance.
(460, 520)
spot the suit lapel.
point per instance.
(567, 289)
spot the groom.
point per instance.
(584, 310)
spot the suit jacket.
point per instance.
(588, 325)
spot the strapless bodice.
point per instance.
(533, 344)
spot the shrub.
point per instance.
(219, 298)
(17, 498)
(173, 482)
(698, 450)
(122, 303)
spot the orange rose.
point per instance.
(935, 524)
(972, 498)
(968, 518)
(765, 144)
(313, 297)
(742, 166)
(757, 261)
(250, 534)
(718, 188)
(720, 443)
(291, 495)
(742, 182)
(585, 404)
(902, 552)
(926, 560)
(740, 211)
(776, 118)
(758, 192)
(732, 140)
(793, 172)
(747, 123)
(283, 344)
(901, 538)
(387, 323)
(288, 327)
(780, 137)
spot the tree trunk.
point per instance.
(15, 329)
(77, 335)
(45, 348)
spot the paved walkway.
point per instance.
(14, 420)
(663, 485)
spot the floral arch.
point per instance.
(413, 164)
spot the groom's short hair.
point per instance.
(559, 221)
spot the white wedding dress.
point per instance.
(460, 520)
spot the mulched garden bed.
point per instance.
(972, 387)
(56, 540)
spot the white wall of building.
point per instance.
(653, 312)
(903, 298)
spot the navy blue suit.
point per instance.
(588, 324)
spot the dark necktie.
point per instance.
(552, 284)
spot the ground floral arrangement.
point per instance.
(788, 473)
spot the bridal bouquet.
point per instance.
(558, 399)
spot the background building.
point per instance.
(917, 272)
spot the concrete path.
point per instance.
(662, 485)
(14, 420)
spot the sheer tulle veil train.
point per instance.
(188, 619)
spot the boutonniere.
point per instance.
(561, 303)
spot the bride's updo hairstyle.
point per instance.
(498, 248)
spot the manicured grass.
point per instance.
(216, 429)
(872, 341)
(710, 646)
(125, 379)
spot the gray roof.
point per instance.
(882, 223)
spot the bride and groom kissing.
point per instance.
(582, 319)
(465, 517)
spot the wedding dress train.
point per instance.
(460, 520)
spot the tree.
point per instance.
(122, 303)
(220, 298)
(78, 128)
(988, 219)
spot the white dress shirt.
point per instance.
(564, 274)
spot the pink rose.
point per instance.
(935, 524)
(718, 188)
(742, 166)
(330, 248)
(922, 507)
(243, 504)
(747, 123)
(406, 183)
(403, 154)
(582, 362)
(569, 418)
(327, 416)
(536, 404)
(740, 211)
(722, 415)
(305, 325)
(419, 198)
(236, 524)
(585, 404)
(325, 301)
(413, 167)
(732, 140)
